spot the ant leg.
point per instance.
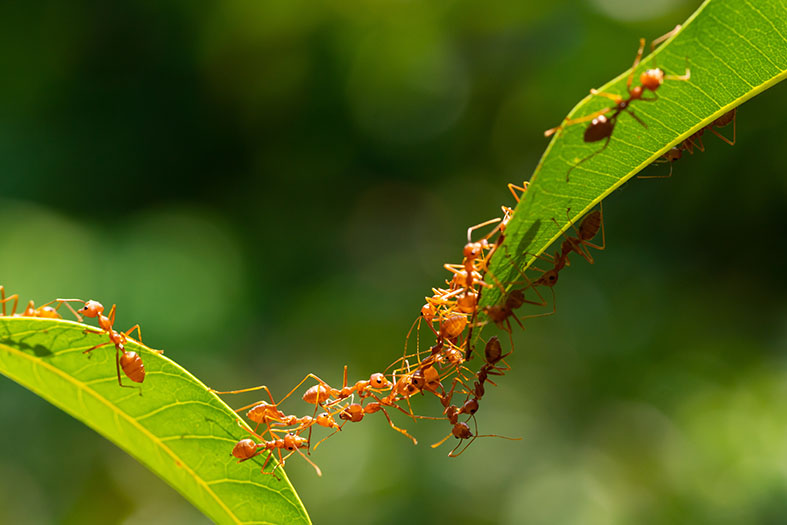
(390, 421)
(685, 76)
(664, 37)
(485, 223)
(68, 302)
(435, 445)
(252, 389)
(111, 315)
(139, 332)
(97, 346)
(606, 143)
(265, 463)
(614, 98)
(658, 176)
(316, 468)
(722, 137)
(4, 300)
(512, 187)
(654, 98)
(263, 387)
(603, 232)
(68, 305)
(636, 118)
(117, 367)
(699, 144)
(571, 122)
(636, 63)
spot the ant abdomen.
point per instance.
(132, 366)
(244, 449)
(599, 129)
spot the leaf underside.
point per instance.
(735, 49)
(177, 428)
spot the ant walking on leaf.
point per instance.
(601, 126)
(129, 361)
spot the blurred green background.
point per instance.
(270, 189)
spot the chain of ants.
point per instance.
(450, 314)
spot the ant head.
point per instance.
(418, 380)
(379, 381)
(548, 279)
(472, 250)
(244, 449)
(291, 441)
(652, 79)
(428, 311)
(411, 389)
(91, 309)
(325, 420)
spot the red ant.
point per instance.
(601, 126)
(43, 311)
(246, 449)
(268, 414)
(265, 413)
(695, 140)
(129, 361)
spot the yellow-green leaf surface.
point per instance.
(734, 49)
(177, 428)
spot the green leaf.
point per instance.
(735, 49)
(176, 427)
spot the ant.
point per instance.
(695, 140)
(461, 430)
(268, 414)
(601, 126)
(264, 413)
(246, 449)
(129, 361)
(587, 230)
(43, 311)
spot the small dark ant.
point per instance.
(695, 140)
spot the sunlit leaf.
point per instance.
(734, 49)
(173, 424)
